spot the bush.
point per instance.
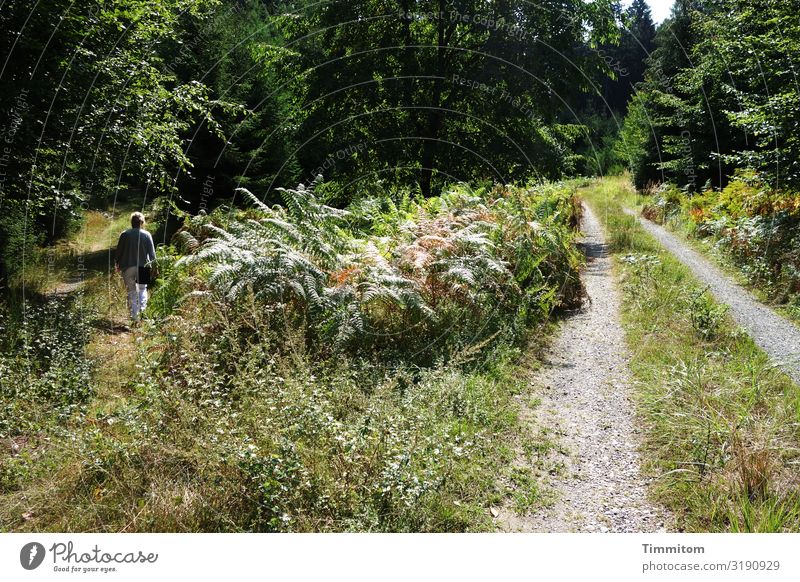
(44, 373)
(666, 202)
(18, 238)
(707, 316)
(424, 277)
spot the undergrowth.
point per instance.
(411, 277)
(311, 369)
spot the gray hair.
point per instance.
(137, 219)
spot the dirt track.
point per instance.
(778, 337)
(586, 399)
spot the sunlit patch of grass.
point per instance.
(80, 259)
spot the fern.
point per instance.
(394, 273)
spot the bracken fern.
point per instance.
(463, 265)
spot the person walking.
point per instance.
(135, 249)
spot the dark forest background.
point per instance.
(188, 100)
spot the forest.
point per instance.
(376, 224)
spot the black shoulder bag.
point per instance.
(143, 276)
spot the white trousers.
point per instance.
(137, 294)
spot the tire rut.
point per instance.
(777, 336)
(586, 400)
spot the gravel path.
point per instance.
(778, 337)
(587, 401)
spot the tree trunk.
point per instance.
(430, 135)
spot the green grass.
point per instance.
(300, 446)
(722, 423)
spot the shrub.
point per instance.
(44, 373)
(666, 202)
(707, 316)
(459, 267)
(317, 369)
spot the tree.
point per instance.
(662, 119)
(719, 94)
(98, 109)
(750, 50)
(237, 52)
(628, 58)
(434, 91)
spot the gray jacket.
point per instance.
(135, 248)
